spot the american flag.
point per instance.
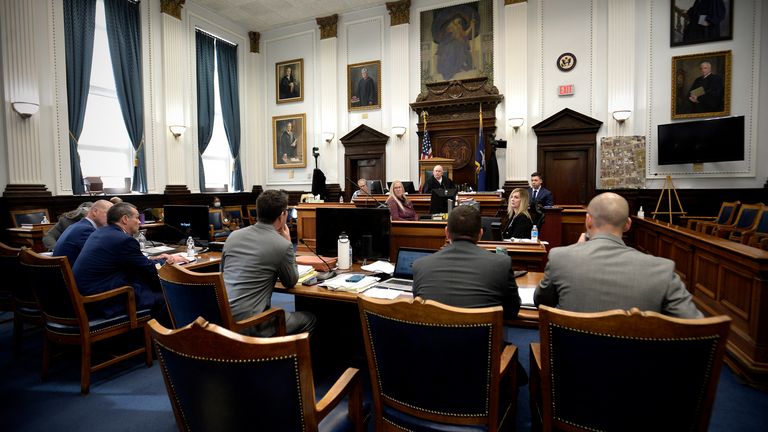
(426, 146)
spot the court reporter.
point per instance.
(400, 207)
(603, 273)
(520, 222)
(463, 274)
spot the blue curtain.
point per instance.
(124, 33)
(79, 25)
(226, 61)
(205, 103)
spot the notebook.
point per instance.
(402, 277)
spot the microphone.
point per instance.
(380, 204)
(324, 275)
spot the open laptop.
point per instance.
(402, 277)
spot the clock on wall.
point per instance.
(566, 62)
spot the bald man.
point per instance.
(73, 238)
(601, 273)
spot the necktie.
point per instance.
(535, 192)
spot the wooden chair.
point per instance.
(66, 320)
(93, 185)
(31, 217)
(217, 229)
(752, 236)
(724, 217)
(438, 367)
(235, 215)
(628, 371)
(747, 219)
(253, 215)
(22, 300)
(220, 380)
(189, 295)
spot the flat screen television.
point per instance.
(375, 187)
(182, 221)
(716, 140)
(368, 230)
(438, 203)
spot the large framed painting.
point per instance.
(700, 21)
(457, 42)
(289, 81)
(289, 137)
(364, 85)
(701, 85)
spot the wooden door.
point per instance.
(567, 173)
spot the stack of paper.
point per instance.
(306, 272)
(339, 283)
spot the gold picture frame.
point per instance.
(289, 141)
(693, 94)
(364, 93)
(289, 81)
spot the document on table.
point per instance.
(339, 283)
(526, 296)
(380, 267)
(383, 293)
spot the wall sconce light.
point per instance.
(621, 115)
(177, 130)
(25, 109)
(516, 123)
(399, 131)
(328, 137)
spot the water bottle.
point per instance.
(641, 213)
(190, 247)
(142, 239)
(344, 252)
(535, 233)
(341, 198)
(450, 206)
(45, 220)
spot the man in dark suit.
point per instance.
(540, 196)
(111, 258)
(73, 239)
(603, 273)
(437, 181)
(464, 275)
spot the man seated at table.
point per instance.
(362, 188)
(73, 239)
(111, 258)
(437, 181)
(254, 258)
(601, 273)
(463, 274)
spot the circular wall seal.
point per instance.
(566, 62)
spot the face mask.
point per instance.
(217, 204)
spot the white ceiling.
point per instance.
(263, 15)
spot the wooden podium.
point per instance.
(427, 165)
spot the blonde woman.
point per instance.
(520, 222)
(400, 208)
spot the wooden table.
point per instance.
(29, 237)
(491, 204)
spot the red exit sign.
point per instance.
(566, 90)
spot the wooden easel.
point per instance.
(668, 187)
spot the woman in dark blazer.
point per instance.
(520, 222)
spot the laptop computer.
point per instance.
(402, 277)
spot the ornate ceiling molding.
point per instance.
(328, 26)
(399, 12)
(172, 7)
(255, 38)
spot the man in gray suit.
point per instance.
(603, 273)
(463, 274)
(254, 258)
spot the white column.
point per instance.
(620, 85)
(20, 84)
(516, 89)
(331, 154)
(400, 154)
(180, 164)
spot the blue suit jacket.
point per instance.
(111, 259)
(73, 239)
(544, 198)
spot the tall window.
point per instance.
(104, 146)
(217, 158)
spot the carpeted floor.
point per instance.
(132, 397)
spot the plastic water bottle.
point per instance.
(190, 247)
(341, 198)
(45, 220)
(344, 252)
(535, 234)
(142, 240)
(641, 213)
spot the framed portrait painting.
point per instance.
(700, 21)
(364, 86)
(701, 85)
(289, 81)
(289, 138)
